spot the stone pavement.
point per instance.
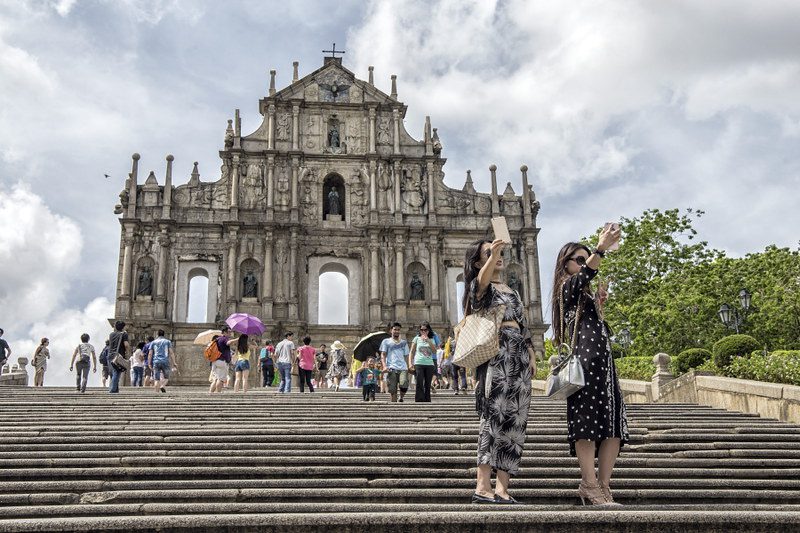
(330, 462)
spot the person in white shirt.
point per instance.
(284, 358)
(137, 366)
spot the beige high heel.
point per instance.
(607, 495)
(593, 493)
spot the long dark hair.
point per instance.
(472, 256)
(431, 333)
(560, 274)
(242, 345)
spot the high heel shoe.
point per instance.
(593, 493)
(607, 495)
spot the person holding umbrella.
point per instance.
(219, 368)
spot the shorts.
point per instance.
(161, 371)
(105, 371)
(219, 369)
(241, 366)
(397, 378)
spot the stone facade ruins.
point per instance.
(330, 181)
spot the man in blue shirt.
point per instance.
(162, 358)
(394, 352)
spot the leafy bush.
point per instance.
(709, 366)
(732, 346)
(542, 370)
(638, 368)
(688, 359)
(778, 367)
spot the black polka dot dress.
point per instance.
(597, 411)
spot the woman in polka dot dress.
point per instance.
(596, 418)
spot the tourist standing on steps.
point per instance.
(219, 368)
(148, 369)
(117, 344)
(162, 358)
(306, 356)
(242, 368)
(597, 424)
(85, 355)
(503, 391)
(338, 370)
(284, 354)
(370, 376)
(394, 351)
(5, 350)
(104, 374)
(266, 365)
(138, 362)
(420, 361)
(322, 367)
(40, 357)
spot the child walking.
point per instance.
(370, 376)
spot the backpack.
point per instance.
(104, 356)
(212, 352)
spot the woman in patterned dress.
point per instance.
(596, 418)
(503, 390)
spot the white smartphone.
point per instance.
(614, 226)
(500, 227)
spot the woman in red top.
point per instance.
(305, 364)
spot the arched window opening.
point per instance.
(333, 298)
(460, 296)
(198, 297)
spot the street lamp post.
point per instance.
(624, 339)
(731, 316)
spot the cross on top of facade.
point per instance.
(334, 51)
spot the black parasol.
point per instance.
(369, 345)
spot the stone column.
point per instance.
(233, 245)
(533, 277)
(235, 182)
(434, 250)
(132, 190)
(526, 197)
(396, 120)
(271, 127)
(295, 216)
(398, 210)
(167, 203)
(495, 199)
(373, 187)
(431, 195)
(162, 282)
(399, 278)
(293, 276)
(127, 258)
(374, 264)
(266, 282)
(372, 116)
(271, 182)
(295, 127)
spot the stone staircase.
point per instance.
(327, 461)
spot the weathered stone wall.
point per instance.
(15, 374)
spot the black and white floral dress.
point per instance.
(503, 391)
(597, 411)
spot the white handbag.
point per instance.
(478, 336)
(566, 377)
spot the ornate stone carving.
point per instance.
(333, 87)
(354, 138)
(252, 187)
(311, 132)
(359, 198)
(229, 135)
(515, 283)
(417, 288)
(414, 191)
(385, 184)
(384, 130)
(284, 127)
(283, 187)
(250, 285)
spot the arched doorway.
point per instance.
(333, 295)
(348, 290)
(197, 304)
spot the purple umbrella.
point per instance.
(244, 323)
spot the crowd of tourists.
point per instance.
(597, 426)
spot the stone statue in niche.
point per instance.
(333, 136)
(145, 282)
(283, 187)
(229, 135)
(437, 143)
(250, 282)
(283, 127)
(334, 206)
(385, 183)
(417, 288)
(515, 283)
(413, 190)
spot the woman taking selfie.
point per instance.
(503, 389)
(596, 419)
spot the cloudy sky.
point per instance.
(616, 107)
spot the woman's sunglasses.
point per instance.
(580, 260)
